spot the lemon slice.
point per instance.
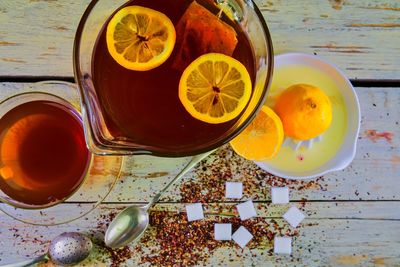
(140, 38)
(262, 139)
(215, 88)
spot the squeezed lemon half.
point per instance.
(262, 139)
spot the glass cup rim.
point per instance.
(67, 104)
(161, 153)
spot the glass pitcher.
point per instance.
(100, 136)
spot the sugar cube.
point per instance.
(223, 231)
(242, 236)
(194, 212)
(280, 195)
(233, 190)
(294, 216)
(282, 245)
(246, 210)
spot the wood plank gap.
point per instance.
(234, 202)
(344, 218)
(31, 79)
(375, 83)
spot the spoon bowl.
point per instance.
(128, 226)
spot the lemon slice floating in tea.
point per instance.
(215, 88)
(140, 38)
(262, 138)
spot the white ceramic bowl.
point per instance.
(346, 152)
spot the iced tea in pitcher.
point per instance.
(172, 74)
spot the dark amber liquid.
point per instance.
(43, 154)
(144, 106)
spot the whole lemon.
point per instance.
(305, 111)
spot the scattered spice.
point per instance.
(117, 256)
(24, 238)
(173, 241)
(208, 185)
(104, 253)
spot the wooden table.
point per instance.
(353, 216)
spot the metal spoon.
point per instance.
(66, 249)
(131, 223)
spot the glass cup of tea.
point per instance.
(43, 155)
(139, 112)
(44, 159)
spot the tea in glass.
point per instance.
(43, 154)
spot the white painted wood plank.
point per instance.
(319, 241)
(373, 175)
(361, 37)
(358, 36)
(36, 37)
(362, 210)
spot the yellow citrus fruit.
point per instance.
(305, 111)
(262, 139)
(215, 88)
(140, 38)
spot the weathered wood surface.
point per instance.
(341, 228)
(334, 234)
(361, 37)
(373, 175)
(353, 216)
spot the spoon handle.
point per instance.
(27, 262)
(195, 159)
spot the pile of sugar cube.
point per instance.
(246, 210)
